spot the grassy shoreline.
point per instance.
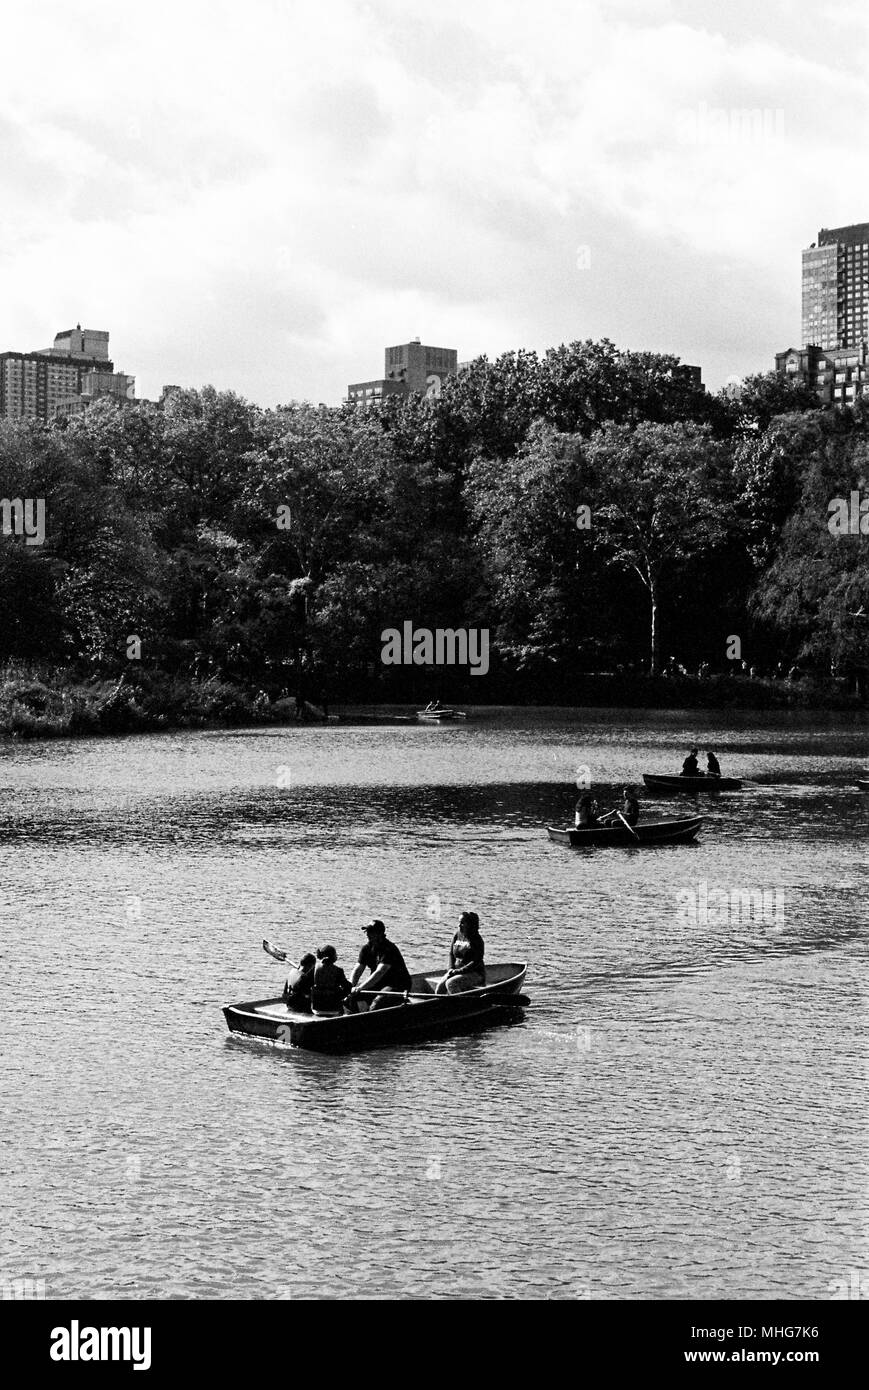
(41, 704)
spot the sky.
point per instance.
(263, 196)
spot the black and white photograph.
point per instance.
(434, 670)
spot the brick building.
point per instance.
(410, 367)
(66, 377)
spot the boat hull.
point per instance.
(864, 786)
(431, 1016)
(439, 716)
(659, 783)
(669, 832)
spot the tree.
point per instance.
(658, 504)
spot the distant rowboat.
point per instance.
(663, 832)
(439, 716)
(660, 783)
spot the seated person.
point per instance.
(297, 987)
(630, 810)
(390, 976)
(466, 958)
(330, 986)
(713, 767)
(690, 767)
(586, 811)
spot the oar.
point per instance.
(628, 827)
(520, 999)
(275, 951)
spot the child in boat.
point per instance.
(297, 987)
(467, 949)
(330, 987)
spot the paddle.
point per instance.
(628, 827)
(519, 999)
(275, 951)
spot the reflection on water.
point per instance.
(679, 1113)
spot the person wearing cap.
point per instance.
(690, 767)
(390, 976)
(330, 985)
(467, 949)
(297, 987)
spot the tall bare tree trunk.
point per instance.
(653, 597)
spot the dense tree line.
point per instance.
(592, 509)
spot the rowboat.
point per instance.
(439, 716)
(422, 1013)
(863, 785)
(662, 832)
(658, 783)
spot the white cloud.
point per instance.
(265, 196)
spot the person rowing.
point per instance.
(630, 810)
(713, 767)
(690, 767)
(467, 949)
(389, 978)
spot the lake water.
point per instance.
(680, 1113)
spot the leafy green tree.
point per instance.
(658, 507)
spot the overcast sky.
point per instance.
(263, 195)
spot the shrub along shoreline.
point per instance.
(43, 704)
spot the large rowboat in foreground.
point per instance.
(662, 832)
(421, 1013)
(660, 783)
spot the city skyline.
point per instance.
(260, 201)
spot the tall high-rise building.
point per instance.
(408, 367)
(68, 376)
(836, 288)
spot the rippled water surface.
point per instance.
(680, 1113)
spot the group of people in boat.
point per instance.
(691, 767)
(587, 811)
(318, 985)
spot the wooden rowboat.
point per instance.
(660, 783)
(439, 716)
(422, 1013)
(662, 832)
(863, 785)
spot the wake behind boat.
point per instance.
(421, 1014)
(658, 782)
(665, 832)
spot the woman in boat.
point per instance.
(586, 812)
(467, 949)
(297, 987)
(330, 986)
(713, 767)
